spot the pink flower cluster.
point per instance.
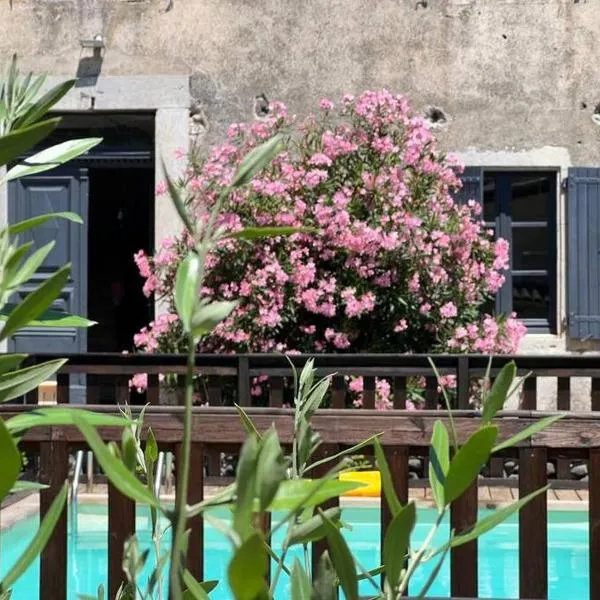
(393, 265)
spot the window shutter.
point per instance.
(472, 188)
(583, 253)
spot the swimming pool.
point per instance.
(498, 557)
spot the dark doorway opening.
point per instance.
(120, 222)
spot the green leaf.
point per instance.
(255, 233)
(494, 519)
(433, 575)
(186, 289)
(314, 398)
(17, 383)
(439, 461)
(386, 479)
(11, 461)
(312, 529)
(8, 362)
(51, 318)
(51, 158)
(528, 432)
(35, 303)
(256, 160)
(151, 449)
(497, 396)
(342, 559)
(55, 416)
(39, 541)
(396, 543)
(196, 590)
(32, 264)
(245, 480)
(208, 316)
(247, 422)
(248, 568)
(16, 143)
(292, 491)
(325, 586)
(129, 449)
(270, 469)
(44, 104)
(301, 588)
(468, 461)
(27, 486)
(115, 470)
(178, 202)
(28, 224)
(346, 452)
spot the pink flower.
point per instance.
(401, 325)
(139, 382)
(161, 188)
(425, 308)
(448, 310)
(325, 104)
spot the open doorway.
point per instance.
(120, 222)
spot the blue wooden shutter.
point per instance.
(59, 190)
(583, 253)
(472, 189)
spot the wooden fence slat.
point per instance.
(595, 393)
(195, 559)
(397, 458)
(399, 393)
(243, 382)
(529, 400)
(431, 393)
(496, 467)
(463, 560)
(153, 391)
(563, 393)
(369, 392)
(275, 392)
(533, 525)
(121, 526)
(215, 397)
(320, 546)
(338, 395)
(213, 455)
(463, 382)
(62, 388)
(121, 389)
(54, 470)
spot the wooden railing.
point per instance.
(403, 433)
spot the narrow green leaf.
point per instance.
(178, 202)
(439, 462)
(151, 449)
(27, 486)
(32, 264)
(312, 529)
(46, 417)
(51, 318)
(528, 432)
(39, 541)
(35, 303)
(206, 317)
(51, 158)
(17, 383)
(433, 575)
(28, 224)
(115, 470)
(292, 491)
(497, 396)
(386, 479)
(13, 264)
(325, 586)
(224, 498)
(342, 559)
(247, 422)
(256, 160)
(186, 289)
(8, 362)
(11, 461)
(468, 461)
(129, 449)
(248, 568)
(348, 451)
(270, 469)
(396, 543)
(245, 480)
(45, 103)
(301, 588)
(255, 233)
(16, 143)
(196, 590)
(494, 519)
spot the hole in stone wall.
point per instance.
(261, 106)
(421, 4)
(504, 36)
(583, 105)
(435, 115)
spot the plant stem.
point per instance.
(182, 477)
(278, 571)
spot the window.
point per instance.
(521, 208)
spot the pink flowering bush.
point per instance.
(393, 264)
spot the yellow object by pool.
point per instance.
(372, 479)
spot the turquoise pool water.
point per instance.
(498, 557)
